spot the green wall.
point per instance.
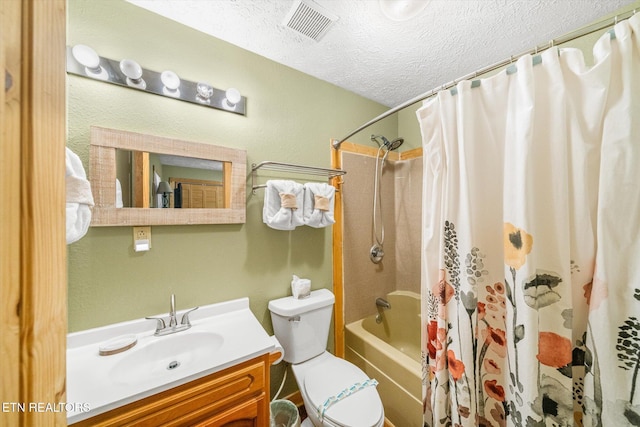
(290, 117)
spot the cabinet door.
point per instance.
(246, 414)
(233, 397)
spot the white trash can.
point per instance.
(284, 414)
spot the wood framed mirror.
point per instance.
(207, 182)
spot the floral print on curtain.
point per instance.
(494, 378)
(531, 242)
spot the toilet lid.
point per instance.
(362, 408)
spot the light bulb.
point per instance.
(87, 57)
(170, 80)
(171, 83)
(131, 69)
(232, 97)
(204, 92)
(133, 72)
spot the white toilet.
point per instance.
(302, 328)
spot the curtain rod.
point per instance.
(600, 25)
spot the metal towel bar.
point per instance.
(291, 168)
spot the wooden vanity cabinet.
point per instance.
(235, 397)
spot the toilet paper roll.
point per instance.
(278, 348)
(300, 288)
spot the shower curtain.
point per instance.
(531, 242)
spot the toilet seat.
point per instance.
(362, 408)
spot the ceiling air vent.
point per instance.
(309, 19)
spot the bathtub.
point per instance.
(390, 352)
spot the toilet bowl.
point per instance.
(326, 376)
(335, 392)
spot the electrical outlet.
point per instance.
(141, 233)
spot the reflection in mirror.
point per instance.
(203, 183)
(193, 183)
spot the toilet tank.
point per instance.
(302, 325)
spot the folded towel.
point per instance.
(156, 182)
(79, 198)
(318, 204)
(283, 202)
(119, 203)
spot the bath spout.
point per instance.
(383, 303)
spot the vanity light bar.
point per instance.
(85, 62)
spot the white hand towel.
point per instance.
(119, 203)
(283, 202)
(79, 198)
(318, 204)
(156, 182)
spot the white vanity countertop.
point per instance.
(97, 384)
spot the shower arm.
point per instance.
(598, 26)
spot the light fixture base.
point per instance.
(402, 10)
(184, 90)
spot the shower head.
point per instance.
(388, 145)
(395, 144)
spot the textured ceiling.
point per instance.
(384, 60)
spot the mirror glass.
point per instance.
(194, 183)
(134, 174)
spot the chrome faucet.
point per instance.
(172, 312)
(173, 327)
(382, 304)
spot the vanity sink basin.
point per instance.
(105, 370)
(172, 355)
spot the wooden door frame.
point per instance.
(337, 249)
(33, 321)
